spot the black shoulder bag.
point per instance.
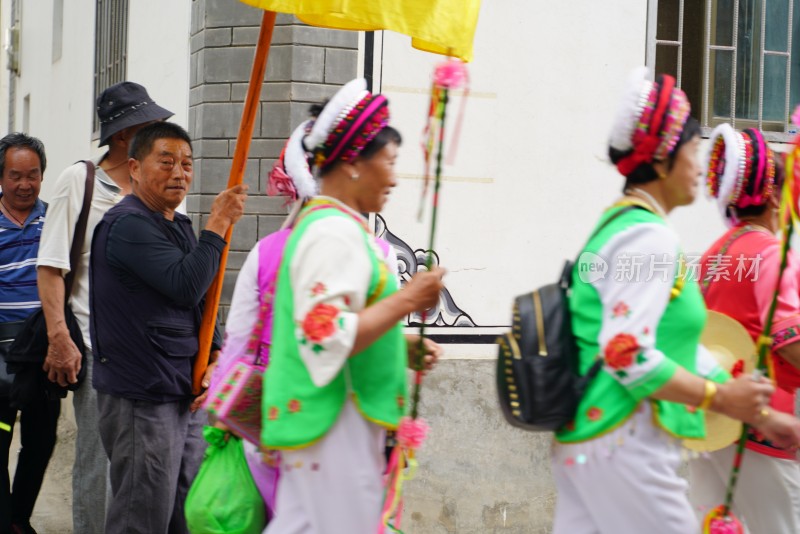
(537, 366)
(29, 348)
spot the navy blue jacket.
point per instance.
(148, 277)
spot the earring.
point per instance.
(662, 176)
(354, 176)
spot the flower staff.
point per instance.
(448, 75)
(412, 431)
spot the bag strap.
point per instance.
(267, 279)
(626, 207)
(706, 283)
(264, 310)
(80, 230)
(566, 275)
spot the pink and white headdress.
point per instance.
(740, 170)
(649, 120)
(722, 168)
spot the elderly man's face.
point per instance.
(22, 179)
(163, 178)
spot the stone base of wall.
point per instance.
(477, 474)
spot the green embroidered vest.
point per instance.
(297, 413)
(607, 404)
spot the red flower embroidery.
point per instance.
(620, 310)
(691, 409)
(319, 323)
(594, 413)
(401, 401)
(318, 289)
(294, 406)
(621, 350)
(570, 427)
(273, 413)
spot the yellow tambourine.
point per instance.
(729, 342)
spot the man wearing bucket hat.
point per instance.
(123, 109)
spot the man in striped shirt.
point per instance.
(22, 164)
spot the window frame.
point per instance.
(110, 50)
(708, 120)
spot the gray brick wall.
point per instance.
(306, 65)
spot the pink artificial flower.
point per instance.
(451, 74)
(280, 184)
(717, 523)
(796, 116)
(722, 525)
(411, 433)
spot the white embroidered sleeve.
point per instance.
(634, 294)
(330, 272)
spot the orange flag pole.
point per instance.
(235, 178)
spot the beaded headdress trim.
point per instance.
(356, 129)
(351, 119)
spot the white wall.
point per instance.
(158, 52)
(5, 22)
(61, 92)
(531, 175)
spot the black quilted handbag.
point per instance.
(537, 366)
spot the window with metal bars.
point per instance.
(737, 60)
(110, 49)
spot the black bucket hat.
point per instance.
(126, 104)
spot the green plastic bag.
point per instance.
(224, 498)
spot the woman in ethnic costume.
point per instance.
(615, 465)
(337, 373)
(739, 273)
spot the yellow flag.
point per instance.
(439, 26)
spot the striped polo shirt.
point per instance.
(19, 247)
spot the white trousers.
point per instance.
(625, 482)
(767, 497)
(334, 486)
